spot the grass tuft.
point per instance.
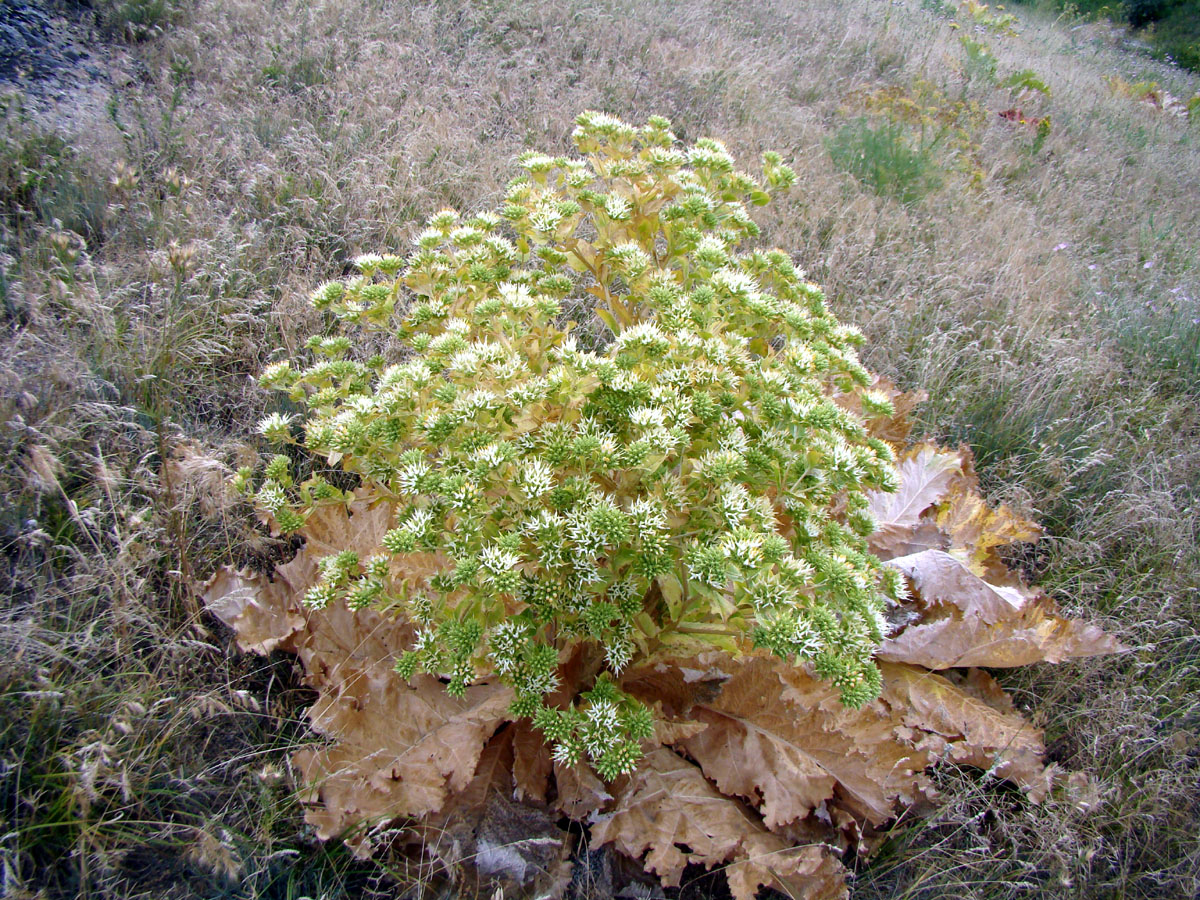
(884, 159)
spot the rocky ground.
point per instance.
(54, 57)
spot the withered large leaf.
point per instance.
(944, 580)
(400, 749)
(926, 473)
(482, 835)
(532, 766)
(580, 792)
(1037, 634)
(967, 621)
(266, 613)
(669, 812)
(976, 733)
(977, 529)
(263, 612)
(358, 527)
(780, 738)
(338, 638)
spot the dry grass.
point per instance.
(1050, 310)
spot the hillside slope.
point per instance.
(1004, 203)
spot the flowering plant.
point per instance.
(669, 466)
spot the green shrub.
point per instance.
(690, 481)
(1113, 9)
(1172, 27)
(885, 159)
(980, 62)
(1177, 34)
(1144, 12)
(137, 20)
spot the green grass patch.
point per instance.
(137, 20)
(1159, 337)
(44, 180)
(886, 159)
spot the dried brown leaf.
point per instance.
(675, 731)
(580, 792)
(809, 872)
(483, 835)
(400, 749)
(781, 739)
(1038, 634)
(263, 612)
(945, 580)
(338, 642)
(266, 613)
(967, 621)
(926, 474)
(532, 766)
(895, 428)
(359, 527)
(977, 529)
(976, 733)
(778, 737)
(982, 686)
(667, 807)
(673, 686)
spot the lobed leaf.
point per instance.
(926, 474)
(668, 815)
(399, 750)
(483, 834)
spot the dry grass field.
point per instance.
(1037, 273)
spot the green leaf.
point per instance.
(608, 319)
(672, 592)
(1026, 80)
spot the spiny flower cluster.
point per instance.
(693, 479)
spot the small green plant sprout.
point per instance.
(684, 478)
(885, 157)
(980, 61)
(993, 18)
(1025, 80)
